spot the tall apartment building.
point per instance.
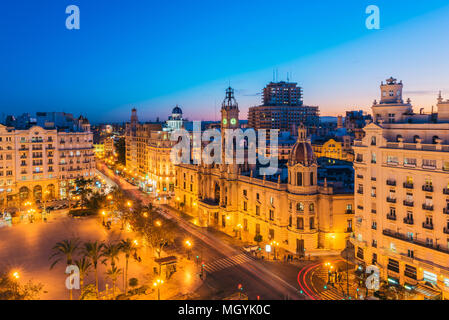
(137, 136)
(402, 193)
(282, 108)
(148, 148)
(37, 161)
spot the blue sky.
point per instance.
(153, 55)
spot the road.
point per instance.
(227, 265)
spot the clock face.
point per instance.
(225, 121)
(233, 121)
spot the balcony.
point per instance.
(427, 207)
(408, 220)
(391, 217)
(428, 226)
(391, 183)
(408, 203)
(408, 185)
(403, 237)
(427, 188)
(391, 200)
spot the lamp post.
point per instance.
(188, 245)
(158, 284)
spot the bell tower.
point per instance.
(229, 111)
(229, 121)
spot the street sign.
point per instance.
(267, 248)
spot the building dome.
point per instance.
(302, 151)
(176, 110)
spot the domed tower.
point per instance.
(174, 121)
(302, 166)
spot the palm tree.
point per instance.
(111, 252)
(127, 247)
(113, 273)
(84, 266)
(65, 248)
(94, 251)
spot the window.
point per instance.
(299, 223)
(245, 193)
(373, 158)
(311, 179)
(373, 192)
(392, 160)
(373, 140)
(245, 206)
(299, 179)
(257, 211)
(271, 215)
(410, 271)
(311, 207)
(393, 265)
(312, 223)
(429, 164)
(300, 207)
(410, 162)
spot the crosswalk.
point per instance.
(330, 293)
(228, 262)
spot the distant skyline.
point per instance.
(155, 55)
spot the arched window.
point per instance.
(311, 207)
(300, 207)
(398, 137)
(434, 139)
(415, 139)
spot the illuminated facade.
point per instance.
(37, 162)
(402, 192)
(332, 149)
(289, 208)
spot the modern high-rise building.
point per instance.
(402, 193)
(282, 108)
(38, 162)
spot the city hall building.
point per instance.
(291, 208)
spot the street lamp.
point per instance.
(103, 213)
(16, 275)
(158, 223)
(188, 245)
(274, 244)
(158, 284)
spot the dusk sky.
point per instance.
(153, 55)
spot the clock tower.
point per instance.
(229, 111)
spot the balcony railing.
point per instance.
(391, 182)
(427, 207)
(406, 238)
(427, 225)
(408, 220)
(408, 185)
(391, 217)
(427, 188)
(391, 200)
(408, 203)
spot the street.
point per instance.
(258, 279)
